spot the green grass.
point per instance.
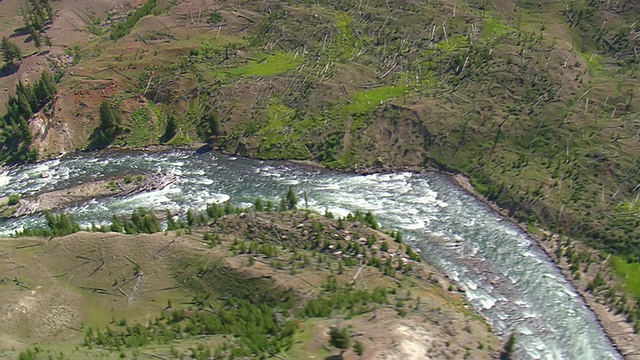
(453, 43)
(269, 65)
(595, 63)
(281, 132)
(494, 28)
(138, 129)
(306, 336)
(366, 101)
(629, 274)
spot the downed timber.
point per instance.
(58, 199)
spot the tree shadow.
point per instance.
(99, 140)
(20, 32)
(9, 69)
(333, 357)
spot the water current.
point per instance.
(507, 277)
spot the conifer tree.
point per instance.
(358, 348)
(116, 224)
(10, 51)
(340, 339)
(290, 199)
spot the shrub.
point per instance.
(13, 199)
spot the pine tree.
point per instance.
(340, 339)
(258, 205)
(10, 51)
(358, 348)
(170, 129)
(37, 41)
(291, 199)
(191, 218)
(510, 347)
(116, 224)
(109, 126)
(171, 223)
(47, 40)
(108, 117)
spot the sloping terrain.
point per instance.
(536, 101)
(267, 283)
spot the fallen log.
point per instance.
(58, 199)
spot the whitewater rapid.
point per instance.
(506, 276)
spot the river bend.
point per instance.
(507, 277)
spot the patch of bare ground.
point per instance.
(68, 30)
(54, 289)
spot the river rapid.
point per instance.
(507, 277)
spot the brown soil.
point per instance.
(53, 289)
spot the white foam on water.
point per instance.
(428, 197)
(151, 200)
(244, 205)
(416, 224)
(274, 174)
(5, 179)
(525, 331)
(361, 203)
(311, 203)
(336, 211)
(470, 284)
(291, 182)
(487, 302)
(327, 187)
(204, 181)
(218, 198)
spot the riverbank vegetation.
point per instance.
(537, 102)
(16, 136)
(495, 97)
(243, 283)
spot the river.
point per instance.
(508, 278)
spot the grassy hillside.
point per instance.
(252, 285)
(535, 100)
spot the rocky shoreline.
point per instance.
(615, 327)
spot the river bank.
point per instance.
(74, 286)
(618, 330)
(615, 326)
(506, 278)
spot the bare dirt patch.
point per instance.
(52, 290)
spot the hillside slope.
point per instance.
(245, 285)
(535, 100)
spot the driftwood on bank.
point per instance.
(96, 189)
